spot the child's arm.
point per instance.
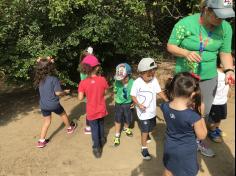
(163, 96)
(65, 92)
(81, 96)
(135, 102)
(200, 129)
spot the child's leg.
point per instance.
(117, 129)
(167, 173)
(94, 124)
(65, 119)
(144, 137)
(46, 124)
(101, 132)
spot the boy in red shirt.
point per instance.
(94, 88)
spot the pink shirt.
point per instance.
(94, 89)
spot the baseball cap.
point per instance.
(122, 70)
(146, 64)
(91, 60)
(222, 8)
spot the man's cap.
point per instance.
(146, 64)
(222, 8)
(122, 70)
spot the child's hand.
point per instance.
(67, 91)
(142, 107)
(132, 106)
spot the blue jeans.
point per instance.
(97, 129)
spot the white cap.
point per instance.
(90, 50)
(146, 64)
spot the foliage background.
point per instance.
(118, 30)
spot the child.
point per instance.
(49, 90)
(83, 75)
(184, 124)
(94, 88)
(144, 92)
(123, 101)
(219, 106)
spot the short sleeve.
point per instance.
(178, 33)
(194, 118)
(57, 85)
(81, 87)
(157, 86)
(227, 39)
(134, 91)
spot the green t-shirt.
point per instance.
(122, 92)
(186, 35)
(83, 76)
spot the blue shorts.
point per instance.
(148, 125)
(218, 113)
(123, 113)
(59, 110)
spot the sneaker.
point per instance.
(72, 128)
(145, 154)
(220, 132)
(205, 150)
(97, 152)
(41, 144)
(116, 141)
(87, 130)
(128, 132)
(149, 140)
(215, 136)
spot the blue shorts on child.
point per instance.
(218, 113)
(123, 113)
(148, 125)
(59, 110)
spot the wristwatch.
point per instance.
(227, 70)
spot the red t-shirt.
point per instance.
(94, 89)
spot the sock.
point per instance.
(117, 135)
(88, 128)
(41, 140)
(144, 147)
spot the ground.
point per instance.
(71, 155)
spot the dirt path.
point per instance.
(70, 155)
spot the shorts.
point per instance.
(217, 113)
(148, 125)
(123, 113)
(59, 110)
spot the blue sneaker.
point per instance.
(219, 131)
(215, 136)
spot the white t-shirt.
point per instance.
(146, 94)
(222, 90)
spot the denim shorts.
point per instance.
(59, 110)
(148, 125)
(123, 113)
(217, 113)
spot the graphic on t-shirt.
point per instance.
(145, 98)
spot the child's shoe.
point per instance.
(128, 132)
(42, 144)
(215, 136)
(87, 130)
(145, 154)
(72, 128)
(116, 141)
(206, 151)
(97, 152)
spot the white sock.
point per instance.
(41, 140)
(117, 135)
(88, 128)
(144, 147)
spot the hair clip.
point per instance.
(195, 76)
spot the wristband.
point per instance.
(227, 70)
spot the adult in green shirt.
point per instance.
(196, 41)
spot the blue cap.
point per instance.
(122, 70)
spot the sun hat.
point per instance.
(146, 64)
(222, 8)
(122, 70)
(91, 60)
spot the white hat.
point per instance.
(146, 64)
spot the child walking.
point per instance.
(184, 124)
(123, 114)
(83, 75)
(219, 106)
(49, 90)
(94, 88)
(144, 93)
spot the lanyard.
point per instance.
(203, 45)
